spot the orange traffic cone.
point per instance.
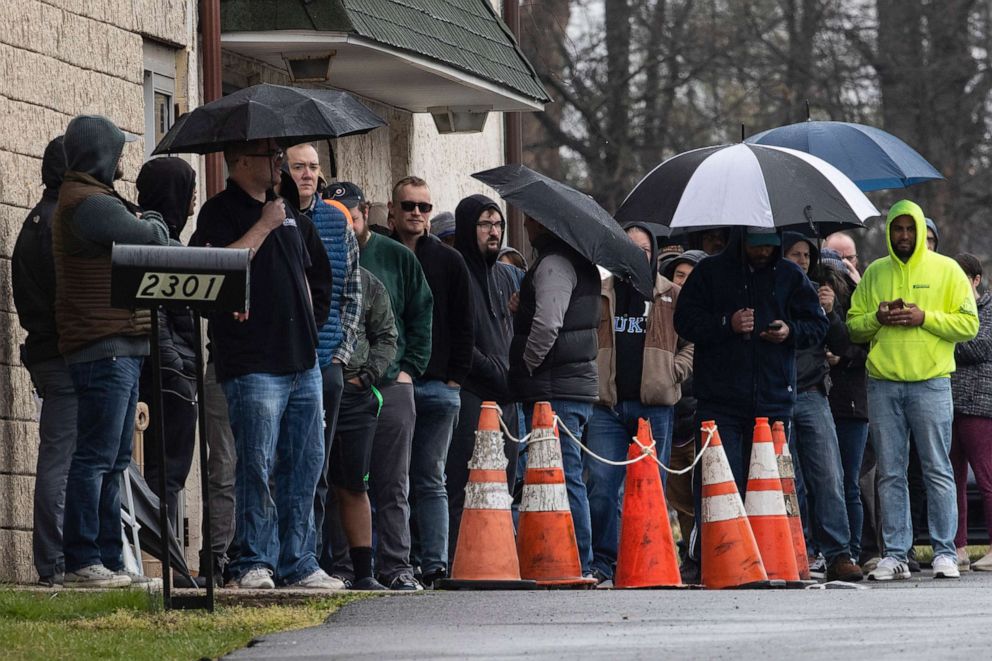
(486, 553)
(765, 506)
(788, 474)
(546, 542)
(647, 549)
(730, 556)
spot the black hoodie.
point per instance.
(166, 185)
(33, 267)
(491, 287)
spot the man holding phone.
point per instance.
(747, 310)
(910, 361)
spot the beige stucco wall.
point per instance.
(59, 58)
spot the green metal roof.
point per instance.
(465, 34)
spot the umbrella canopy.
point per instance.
(575, 218)
(751, 185)
(289, 114)
(146, 512)
(870, 157)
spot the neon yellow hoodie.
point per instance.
(933, 282)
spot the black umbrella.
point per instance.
(146, 513)
(291, 115)
(750, 185)
(575, 218)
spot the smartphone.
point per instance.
(774, 326)
(897, 304)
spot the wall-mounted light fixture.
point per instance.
(460, 119)
(310, 68)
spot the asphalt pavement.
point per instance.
(920, 618)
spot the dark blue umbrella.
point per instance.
(870, 157)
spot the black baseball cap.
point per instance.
(345, 192)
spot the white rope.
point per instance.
(506, 432)
(644, 449)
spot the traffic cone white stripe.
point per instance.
(544, 450)
(487, 496)
(544, 498)
(764, 503)
(715, 472)
(764, 465)
(488, 451)
(722, 508)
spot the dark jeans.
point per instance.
(735, 435)
(333, 381)
(179, 420)
(108, 394)
(852, 436)
(57, 432)
(222, 461)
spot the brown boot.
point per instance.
(844, 569)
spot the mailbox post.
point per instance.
(203, 280)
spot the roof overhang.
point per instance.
(379, 72)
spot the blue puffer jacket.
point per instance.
(740, 376)
(331, 226)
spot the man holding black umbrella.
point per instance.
(553, 355)
(747, 310)
(266, 362)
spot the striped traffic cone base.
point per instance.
(486, 553)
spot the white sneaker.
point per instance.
(319, 580)
(259, 578)
(890, 569)
(96, 576)
(984, 563)
(946, 566)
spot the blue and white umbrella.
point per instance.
(749, 185)
(870, 157)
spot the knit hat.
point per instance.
(443, 224)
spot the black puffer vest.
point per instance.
(569, 370)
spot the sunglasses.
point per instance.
(276, 155)
(408, 206)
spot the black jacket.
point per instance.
(733, 374)
(319, 274)
(166, 185)
(33, 266)
(452, 331)
(491, 287)
(569, 369)
(849, 377)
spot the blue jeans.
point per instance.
(852, 435)
(819, 454)
(609, 435)
(437, 406)
(107, 391)
(277, 424)
(574, 415)
(736, 434)
(925, 409)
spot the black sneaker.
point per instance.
(690, 571)
(428, 579)
(912, 562)
(405, 583)
(54, 581)
(346, 580)
(366, 584)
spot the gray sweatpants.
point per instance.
(57, 429)
(221, 464)
(389, 489)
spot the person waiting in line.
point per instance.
(817, 452)
(971, 436)
(168, 185)
(32, 275)
(641, 363)
(351, 447)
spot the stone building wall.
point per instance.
(60, 58)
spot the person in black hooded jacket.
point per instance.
(747, 311)
(168, 185)
(479, 230)
(32, 269)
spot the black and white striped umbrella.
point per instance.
(750, 185)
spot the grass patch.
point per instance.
(125, 624)
(924, 554)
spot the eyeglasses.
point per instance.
(276, 155)
(408, 206)
(488, 225)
